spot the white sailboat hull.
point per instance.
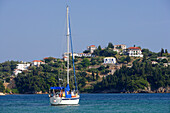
(64, 101)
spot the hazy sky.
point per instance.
(34, 29)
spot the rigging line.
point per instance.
(72, 55)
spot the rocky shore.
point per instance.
(146, 90)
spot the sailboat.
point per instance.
(64, 95)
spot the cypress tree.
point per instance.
(166, 51)
(93, 75)
(162, 51)
(99, 48)
(110, 45)
(97, 76)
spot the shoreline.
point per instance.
(86, 93)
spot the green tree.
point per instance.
(93, 76)
(99, 48)
(2, 88)
(86, 51)
(162, 51)
(49, 59)
(166, 51)
(97, 76)
(128, 59)
(110, 45)
(85, 62)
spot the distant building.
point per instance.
(166, 64)
(37, 63)
(17, 71)
(162, 58)
(109, 60)
(84, 55)
(119, 48)
(65, 58)
(77, 55)
(134, 52)
(154, 62)
(20, 68)
(49, 57)
(91, 48)
(70, 54)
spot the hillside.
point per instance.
(129, 74)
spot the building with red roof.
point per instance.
(91, 48)
(134, 52)
(37, 63)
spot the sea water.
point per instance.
(89, 103)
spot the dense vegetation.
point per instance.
(7, 68)
(107, 52)
(91, 74)
(140, 76)
(2, 88)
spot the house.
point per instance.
(65, 58)
(84, 55)
(166, 64)
(17, 71)
(78, 55)
(37, 63)
(109, 60)
(91, 48)
(162, 58)
(49, 57)
(154, 62)
(70, 54)
(134, 52)
(21, 67)
(119, 48)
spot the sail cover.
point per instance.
(67, 88)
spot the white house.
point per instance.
(162, 58)
(109, 60)
(167, 64)
(84, 54)
(37, 63)
(76, 55)
(70, 54)
(20, 68)
(91, 48)
(16, 71)
(65, 58)
(134, 51)
(154, 62)
(119, 48)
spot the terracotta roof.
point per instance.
(134, 48)
(37, 61)
(45, 58)
(92, 46)
(64, 57)
(48, 57)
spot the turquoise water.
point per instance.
(89, 103)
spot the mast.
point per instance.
(68, 35)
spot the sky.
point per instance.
(34, 29)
